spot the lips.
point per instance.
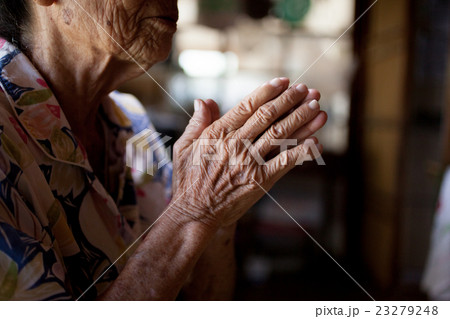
(171, 17)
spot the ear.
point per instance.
(45, 3)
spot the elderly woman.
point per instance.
(69, 206)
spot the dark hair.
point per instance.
(13, 18)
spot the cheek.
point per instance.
(146, 39)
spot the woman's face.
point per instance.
(144, 28)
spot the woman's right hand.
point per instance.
(219, 163)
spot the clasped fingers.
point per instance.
(272, 111)
(284, 128)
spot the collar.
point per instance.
(37, 109)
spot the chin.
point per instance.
(157, 47)
(149, 60)
(156, 54)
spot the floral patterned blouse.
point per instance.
(59, 227)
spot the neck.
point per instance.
(79, 74)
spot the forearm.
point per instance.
(163, 261)
(213, 277)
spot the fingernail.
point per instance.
(314, 105)
(301, 88)
(196, 105)
(275, 82)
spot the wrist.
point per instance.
(185, 212)
(226, 231)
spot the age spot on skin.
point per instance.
(67, 16)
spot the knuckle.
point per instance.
(289, 98)
(275, 132)
(246, 106)
(267, 113)
(300, 115)
(251, 102)
(218, 129)
(305, 150)
(283, 159)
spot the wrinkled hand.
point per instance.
(218, 168)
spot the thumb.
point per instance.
(214, 109)
(199, 121)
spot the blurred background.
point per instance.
(386, 87)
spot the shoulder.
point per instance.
(133, 110)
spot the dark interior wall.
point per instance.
(425, 132)
(398, 135)
(378, 121)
